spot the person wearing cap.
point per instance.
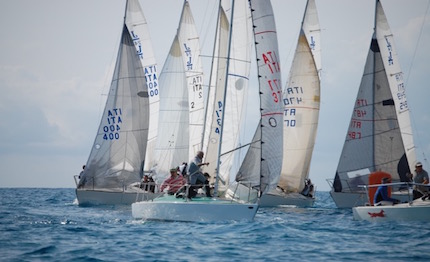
(173, 183)
(382, 193)
(421, 177)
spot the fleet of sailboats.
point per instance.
(260, 168)
(152, 123)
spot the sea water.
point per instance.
(39, 224)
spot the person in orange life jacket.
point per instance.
(174, 182)
(382, 193)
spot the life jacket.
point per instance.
(374, 179)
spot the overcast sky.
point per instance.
(56, 58)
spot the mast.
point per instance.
(210, 75)
(224, 98)
(375, 44)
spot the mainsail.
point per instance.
(379, 135)
(116, 158)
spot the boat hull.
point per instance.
(196, 210)
(100, 197)
(354, 199)
(292, 199)
(417, 211)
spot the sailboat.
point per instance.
(379, 135)
(301, 99)
(260, 168)
(116, 163)
(411, 210)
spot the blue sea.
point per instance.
(44, 224)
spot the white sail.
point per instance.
(139, 32)
(216, 94)
(301, 111)
(235, 92)
(182, 102)
(301, 98)
(263, 165)
(189, 42)
(172, 140)
(379, 135)
(116, 158)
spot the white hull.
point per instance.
(196, 210)
(293, 199)
(98, 197)
(354, 199)
(419, 210)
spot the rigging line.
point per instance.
(418, 41)
(409, 73)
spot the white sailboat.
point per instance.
(264, 154)
(379, 135)
(410, 210)
(301, 99)
(116, 163)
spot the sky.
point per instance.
(57, 56)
